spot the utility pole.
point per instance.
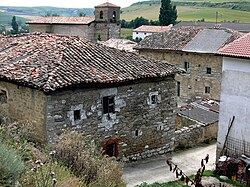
(216, 17)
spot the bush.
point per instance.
(11, 166)
(78, 153)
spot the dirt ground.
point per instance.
(156, 169)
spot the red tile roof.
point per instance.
(63, 20)
(238, 48)
(152, 28)
(49, 62)
(189, 39)
(107, 4)
(175, 39)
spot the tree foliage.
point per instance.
(137, 22)
(14, 25)
(168, 13)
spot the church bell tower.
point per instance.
(107, 21)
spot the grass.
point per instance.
(186, 13)
(152, 12)
(178, 183)
(5, 19)
(209, 15)
(126, 33)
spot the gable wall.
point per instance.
(85, 31)
(235, 99)
(25, 104)
(193, 83)
(155, 123)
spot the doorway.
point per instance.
(111, 148)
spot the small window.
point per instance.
(178, 88)
(186, 66)
(136, 32)
(77, 115)
(136, 133)
(108, 104)
(3, 96)
(145, 33)
(114, 15)
(207, 89)
(209, 70)
(153, 99)
(101, 14)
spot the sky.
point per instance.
(65, 3)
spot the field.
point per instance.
(152, 12)
(125, 33)
(209, 15)
(5, 19)
(185, 13)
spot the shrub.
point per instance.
(78, 153)
(11, 166)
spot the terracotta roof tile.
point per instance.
(63, 20)
(238, 48)
(107, 4)
(152, 28)
(49, 62)
(190, 39)
(175, 39)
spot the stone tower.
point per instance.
(107, 21)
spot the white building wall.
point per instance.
(141, 35)
(235, 100)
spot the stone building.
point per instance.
(233, 133)
(103, 26)
(197, 122)
(56, 82)
(193, 49)
(146, 30)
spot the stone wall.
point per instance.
(86, 31)
(24, 103)
(192, 133)
(104, 31)
(143, 121)
(193, 83)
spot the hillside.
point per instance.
(5, 19)
(24, 13)
(188, 10)
(193, 10)
(43, 10)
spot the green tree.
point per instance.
(14, 25)
(81, 14)
(168, 13)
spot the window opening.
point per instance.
(178, 88)
(3, 96)
(153, 99)
(101, 14)
(137, 133)
(209, 70)
(186, 65)
(77, 115)
(207, 89)
(114, 15)
(108, 104)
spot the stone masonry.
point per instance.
(142, 129)
(25, 104)
(194, 81)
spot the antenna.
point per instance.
(216, 16)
